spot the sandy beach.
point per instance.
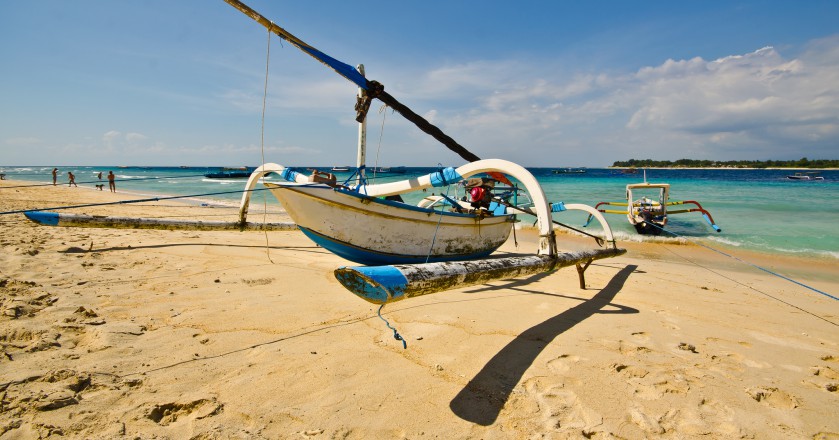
(140, 334)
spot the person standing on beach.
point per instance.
(72, 179)
(111, 183)
(54, 175)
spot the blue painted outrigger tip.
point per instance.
(710, 222)
(43, 217)
(377, 284)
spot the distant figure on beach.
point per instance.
(72, 179)
(54, 175)
(100, 175)
(111, 183)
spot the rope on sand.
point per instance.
(396, 334)
(748, 263)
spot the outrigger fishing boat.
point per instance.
(647, 207)
(439, 243)
(421, 249)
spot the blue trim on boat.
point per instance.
(289, 174)
(444, 177)
(43, 217)
(401, 205)
(372, 258)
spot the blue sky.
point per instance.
(561, 83)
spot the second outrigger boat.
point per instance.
(647, 207)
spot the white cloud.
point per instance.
(757, 105)
(135, 137)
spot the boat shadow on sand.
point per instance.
(482, 399)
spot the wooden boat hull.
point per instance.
(374, 231)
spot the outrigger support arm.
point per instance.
(286, 173)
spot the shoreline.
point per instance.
(277, 214)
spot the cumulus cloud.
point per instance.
(763, 104)
(134, 137)
(756, 105)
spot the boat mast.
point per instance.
(362, 137)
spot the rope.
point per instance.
(381, 136)
(747, 263)
(262, 143)
(437, 229)
(396, 334)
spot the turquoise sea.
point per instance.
(758, 210)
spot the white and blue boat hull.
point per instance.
(374, 231)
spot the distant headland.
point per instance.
(695, 163)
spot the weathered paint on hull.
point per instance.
(386, 284)
(368, 230)
(97, 221)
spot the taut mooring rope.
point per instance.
(262, 142)
(746, 262)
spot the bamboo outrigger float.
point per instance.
(47, 218)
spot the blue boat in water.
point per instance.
(231, 173)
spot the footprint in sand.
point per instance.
(630, 371)
(652, 386)
(707, 418)
(28, 341)
(560, 409)
(824, 377)
(773, 397)
(168, 413)
(20, 299)
(562, 363)
(630, 349)
(51, 391)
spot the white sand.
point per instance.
(114, 333)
